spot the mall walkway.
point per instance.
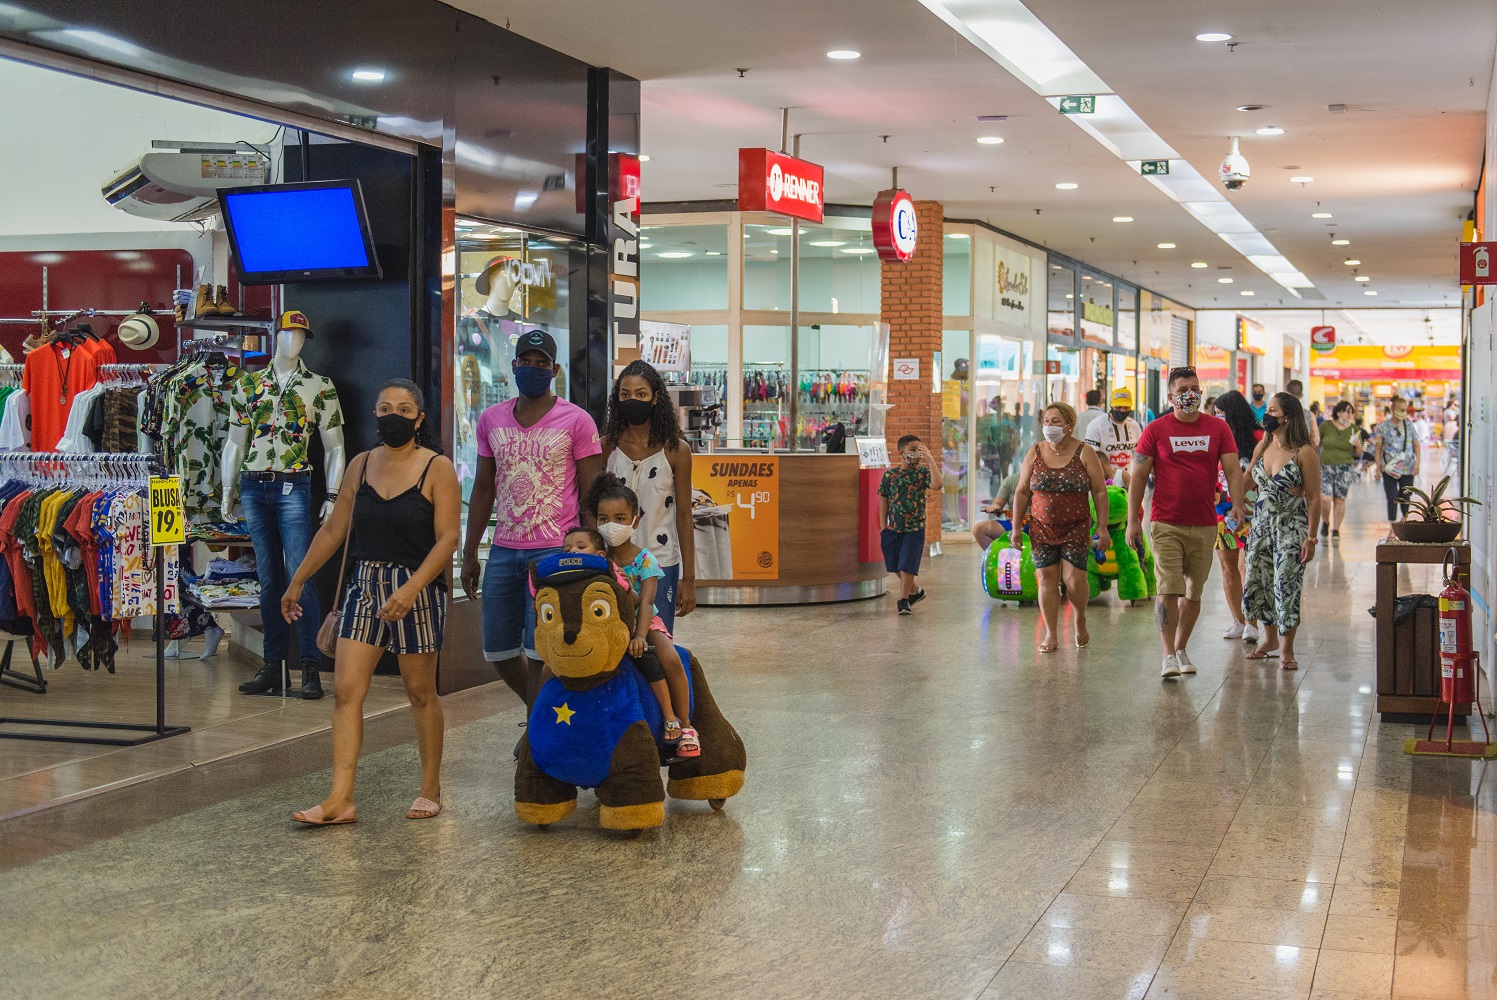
(932, 810)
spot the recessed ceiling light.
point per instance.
(1270, 130)
(1122, 218)
(1223, 281)
(673, 254)
(1066, 186)
(1369, 292)
(1340, 243)
(1247, 291)
(1200, 263)
(1362, 277)
(369, 75)
(1350, 262)
(1250, 107)
(859, 251)
(958, 236)
(1166, 246)
(644, 157)
(1320, 215)
(1070, 296)
(829, 243)
(1301, 179)
(779, 232)
(843, 54)
(1213, 36)
(990, 140)
(774, 251)
(714, 253)
(646, 246)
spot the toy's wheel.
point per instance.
(543, 827)
(717, 804)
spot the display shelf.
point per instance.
(227, 323)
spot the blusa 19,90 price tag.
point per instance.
(168, 520)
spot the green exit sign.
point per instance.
(1079, 104)
(1154, 168)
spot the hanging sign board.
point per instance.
(895, 229)
(873, 453)
(1154, 168)
(1479, 263)
(773, 182)
(1322, 338)
(666, 346)
(168, 520)
(1078, 104)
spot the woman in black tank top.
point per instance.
(401, 530)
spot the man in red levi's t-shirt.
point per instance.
(1182, 450)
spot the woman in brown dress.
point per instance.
(1059, 474)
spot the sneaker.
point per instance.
(1235, 632)
(1250, 632)
(1335, 538)
(904, 606)
(917, 597)
(1170, 668)
(1324, 530)
(1183, 660)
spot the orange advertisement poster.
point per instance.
(735, 504)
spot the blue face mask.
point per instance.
(533, 383)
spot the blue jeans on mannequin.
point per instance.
(281, 529)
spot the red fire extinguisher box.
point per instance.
(869, 527)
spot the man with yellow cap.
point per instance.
(1115, 435)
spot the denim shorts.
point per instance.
(902, 550)
(508, 609)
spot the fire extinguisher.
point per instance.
(1457, 660)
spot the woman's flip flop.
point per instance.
(1267, 654)
(1289, 665)
(315, 816)
(423, 808)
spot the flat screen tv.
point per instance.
(287, 233)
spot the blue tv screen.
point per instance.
(287, 233)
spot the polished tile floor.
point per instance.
(932, 810)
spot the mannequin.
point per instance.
(266, 463)
(495, 321)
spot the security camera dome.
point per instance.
(1234, 170)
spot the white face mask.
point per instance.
(1054, 434)
(614, 533)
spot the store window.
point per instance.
(1006, 402)
(1098, 317)
(1214, 368)
(956, 398)
(956, 274)
(1062, 296)
(1063, 376)
(683, 268)
(1127, 327)
(839, 268)
(509, 282)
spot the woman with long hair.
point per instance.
(404, 517)
(1286, 470)
(1058, 475)
(1340, 447)
(1231, 543)
(643, 446)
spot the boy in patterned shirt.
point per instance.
(901, 509)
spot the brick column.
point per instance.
(911, 306)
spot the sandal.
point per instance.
(423, 808)
(673, 731)
(1263, 654)
(316, 817)
(1289, 665)
(689, 746)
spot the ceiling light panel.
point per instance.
(1011, 35)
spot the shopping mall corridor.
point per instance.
(932, 810)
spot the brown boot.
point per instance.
(203, 306)
(225, 307)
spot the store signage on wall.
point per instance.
(906, 369)
(1093, 313)
(1371, 363)
(623, 257)
(895, 229)
(1154, 168)
(736, 512)
(1479, 263)
(1013, 271)
(773, 182)
(1079, 104)
(873, 453)
(1052, 367)
(665, 346)
(1251, 337)
(1323, 338)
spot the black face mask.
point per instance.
(1270, 423)
(1257, 397)
(636, 411)
(1121, 415)
(396, 430)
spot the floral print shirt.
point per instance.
(278, 416)
(905, 488)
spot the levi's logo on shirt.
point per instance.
(1200, 442)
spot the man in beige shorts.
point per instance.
(1182, 450)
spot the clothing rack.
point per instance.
(99, 469)
(123, 372)
(11, 374)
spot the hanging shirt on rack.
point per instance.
(15, 425)
(54, 374)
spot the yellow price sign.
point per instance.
(168, 519)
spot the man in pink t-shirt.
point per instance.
(1182, 450)
(537, 455)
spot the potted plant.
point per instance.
(1427, 519)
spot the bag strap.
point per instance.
(348, 533)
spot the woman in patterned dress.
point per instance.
(1058, 475)
(1282, 539)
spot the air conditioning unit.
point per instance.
(182, 185)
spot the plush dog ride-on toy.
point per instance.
(1132, 569)
(596, 723)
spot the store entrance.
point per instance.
(133, 340)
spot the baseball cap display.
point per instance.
(1122, 398)
(536, 340)
(295, 319)
(139, 332)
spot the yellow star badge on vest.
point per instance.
(563, 714)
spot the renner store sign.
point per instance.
(773, 182)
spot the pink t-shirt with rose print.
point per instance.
(535, 471)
